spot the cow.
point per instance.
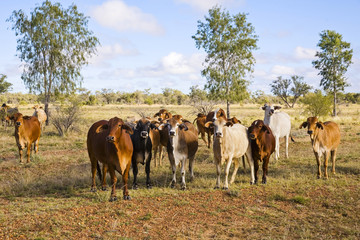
(109, 142)
(325, 139)
(41, 115)
(280, 125)
(162, 115)
(142, 149)
(182, 145)
(262, 146)
(200, 123)
(7, 114)
(230, 142)
(211, 117)
(154, 135)
(27, 132)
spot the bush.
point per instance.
(66, 116)
(317, 104)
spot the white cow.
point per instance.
(41, 115)
(280, 125)
(230, 142)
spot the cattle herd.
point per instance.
(120, 145)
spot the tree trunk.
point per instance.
(228, 108)
(334, 110)
(47, 100)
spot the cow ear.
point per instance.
(319, 125)
(263, 108)
(161, 126)
(209, 124)
(101, 128)
(229, 124)
(153, 126)
(183, 126)
(277, 107)
(266, 129)
(127, 128)
(303, 125)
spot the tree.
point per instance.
(54, 43)
(196, 94)
(4, 85)
(333, 61)
(290, 94)
(228, 41)
(316, 104)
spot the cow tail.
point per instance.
(243, 160)
(194, 120)
(292, 138)
(99, 171)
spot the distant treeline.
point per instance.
(167, 97)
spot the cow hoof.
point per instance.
(263, 182)
(216, 187)
(172, 185)
(183, 187)
(135, 186)
(127, 197)
(104, 188)
(113, 199)
(148, 186)
(252, 183)
(93, 189)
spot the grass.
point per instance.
(50, 197)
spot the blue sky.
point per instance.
(147, 43)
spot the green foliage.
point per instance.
(316, 104)
(196, 94)
(229, 42)
(4, 85)
(333, 61)
(54, 43)
(290, 94)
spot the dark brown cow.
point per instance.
(200, 123)
(325, 139)
(262, 146)
(27, 132)
(109, 142)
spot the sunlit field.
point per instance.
(50, 198)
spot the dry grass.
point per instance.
(50, 198)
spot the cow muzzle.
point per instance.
(144, 134)
(271, 112)
(110, 138)
(218, 134)
(172, 133)
(310, 132)
(18, 124)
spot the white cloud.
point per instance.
(205, 5)
(282, 70)
(117, 15)
(109, 52)
(305, 53)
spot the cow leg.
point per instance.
(326, 158)
(218, 172)
(155, 153)
(256, 166)
(173, 168)
(203, 138)
(20, 153)
(93, 173)
(227, 169)
(209, 140)
(183, 184)
(147, 170)
(318, 163)
(286, 146)
(265, 169)
(236, 167)
(113, 184)
(161, 154)
(103, 184)
(125, 178)
(277, 148)
(251, 161)
(36, 145)
(135, 173)
(28, 152)
(333, 157)
(191, 167)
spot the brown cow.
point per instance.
(7, 114)
(162, 115)
(262, 146)
(109, 142)
(325, 139)
(182, 146)
(156, 145)
(27, 132)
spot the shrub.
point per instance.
(66, 116)
(317, 104)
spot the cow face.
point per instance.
(218, 125)
(312, 124)
(162, 115)
(256, 128)
(173, 125)
(270, 109)
(115, 126)
(144, 126)
(18, 119)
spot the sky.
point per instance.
(147, 44)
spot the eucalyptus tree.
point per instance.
(228, 41)
(4, 85)
(53, 43)
(334, 58)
